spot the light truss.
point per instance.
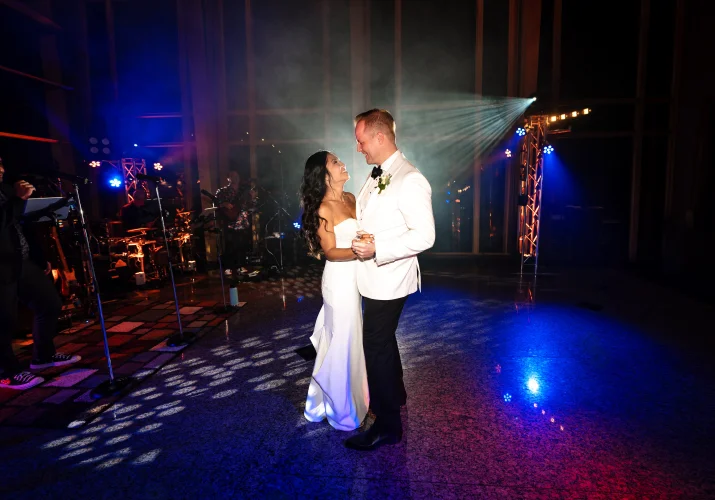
(130, 168)
(531, 183)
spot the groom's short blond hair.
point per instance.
(378, 120)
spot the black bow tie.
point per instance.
(376, 172)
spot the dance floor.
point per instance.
(586, 384)
(137, 330)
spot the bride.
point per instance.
(338, 389)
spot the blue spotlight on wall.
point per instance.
(533, 385)
(115, 182)
(548, 149)
(520, 132)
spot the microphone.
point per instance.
(76, 179)
(210, 196)
(145, 177)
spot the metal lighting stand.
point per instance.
(531, 181)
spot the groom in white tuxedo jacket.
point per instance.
(395, 208)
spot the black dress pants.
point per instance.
(382, 358)
(34, 289)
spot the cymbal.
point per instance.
(138, 230)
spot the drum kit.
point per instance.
(143, 250)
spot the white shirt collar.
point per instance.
(390, 161)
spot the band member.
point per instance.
(235, 217)
(24, 279)
(139, 212)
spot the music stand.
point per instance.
(34, 207)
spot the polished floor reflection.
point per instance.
(588, 384)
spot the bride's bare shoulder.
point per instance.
(325, 210)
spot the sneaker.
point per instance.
(58, 359)
(21, 381)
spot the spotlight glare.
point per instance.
(548, 149)
(115, 182)
(508, 153)
(136, 145)
(158, 166)
(563, 116)
(574, 114)
(296, 225)
(586, 111)
(520, 132)
(554, 118)
(533, 385)
(94, 164)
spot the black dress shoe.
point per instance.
(374, 437)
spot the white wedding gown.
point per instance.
(338, 389)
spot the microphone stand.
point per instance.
(279, 214)
(113, 386)
(180, 338)
(219, 242)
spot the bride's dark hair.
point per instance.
(312, 192)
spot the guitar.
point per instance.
(67, 275)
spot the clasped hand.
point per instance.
(364, 245)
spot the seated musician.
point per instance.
(235, 217)
(139, 212)
(24, 278)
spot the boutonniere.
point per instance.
(383, 182)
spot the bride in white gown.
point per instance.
(338, 389)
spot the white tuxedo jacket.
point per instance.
(403, 224)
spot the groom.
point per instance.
(395, 206)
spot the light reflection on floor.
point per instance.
(514, 392)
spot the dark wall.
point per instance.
(689, 228)
(587, 189)
(22, 101)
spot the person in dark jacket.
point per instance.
(23, 280)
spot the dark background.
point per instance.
(174, 77)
